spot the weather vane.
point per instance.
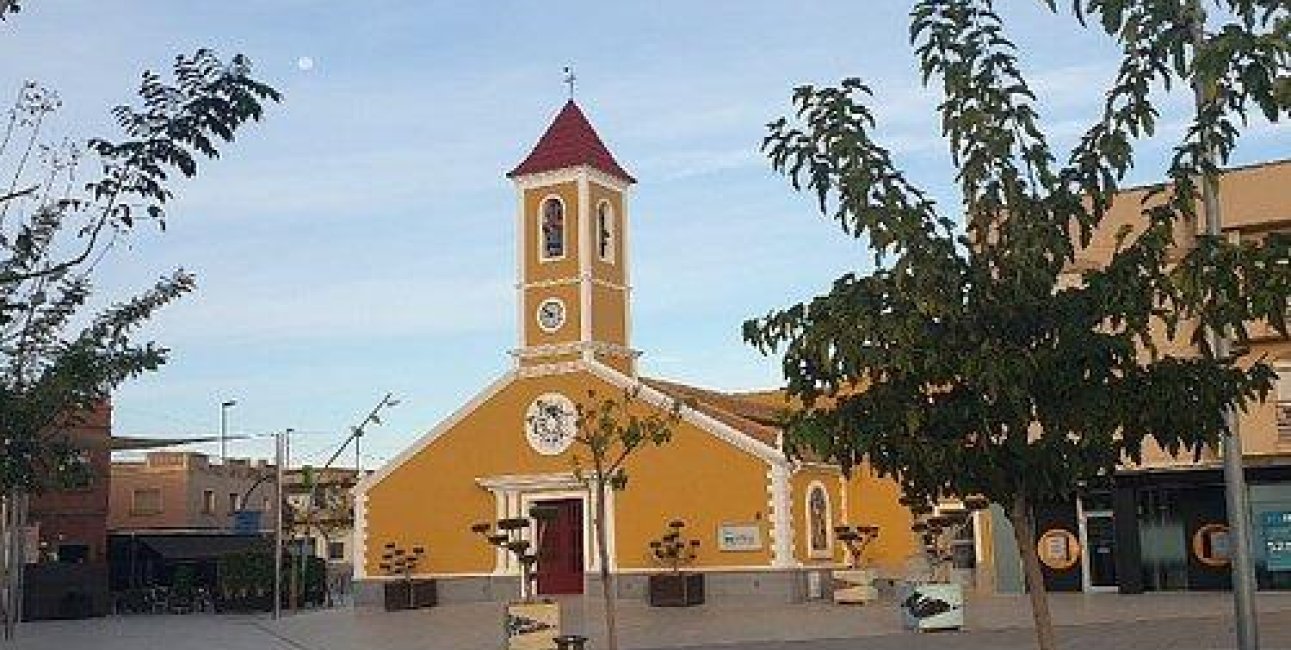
(570, 79)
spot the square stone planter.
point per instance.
(415, 594)
(676, 589)
(934, 606)
(854, 586)
(531, 626)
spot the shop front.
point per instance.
(1164, 530)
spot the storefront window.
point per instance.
(1271, 521)
(1161, 537)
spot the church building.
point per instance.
(763, 522)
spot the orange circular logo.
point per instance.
(1058, 549)
(1210, 545)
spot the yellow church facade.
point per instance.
(764, 522)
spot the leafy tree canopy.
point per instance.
(966, 362)
(58, 360)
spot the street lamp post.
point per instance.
(224, 429)
(1235, 496)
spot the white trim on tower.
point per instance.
(584, 261)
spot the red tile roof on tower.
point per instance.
(570, 141)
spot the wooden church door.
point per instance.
(560, 556)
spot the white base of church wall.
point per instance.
(753, 586)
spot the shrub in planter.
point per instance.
(855, 584)
(406, 593)
(529, 622)
(676, 588)
(933, 602)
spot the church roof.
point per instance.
(570, 141)
(754, 417)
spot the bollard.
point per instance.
(571, 642)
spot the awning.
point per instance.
(201, 547)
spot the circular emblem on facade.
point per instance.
(1210, 545)
(550, 424)
(551, 314)
(1058, 549)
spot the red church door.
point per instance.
(560, 556)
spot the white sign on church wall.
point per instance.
(739, 537)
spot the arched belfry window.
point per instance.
(820, 542)
(553, 228)
(605, 231)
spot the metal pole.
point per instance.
(1235, 496)
(224, 429)
(277, 528)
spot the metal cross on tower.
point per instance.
(570, 79)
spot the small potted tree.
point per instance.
(855, 583)
(676, 588)
(935, 602)
(529, 623)
(407, 592)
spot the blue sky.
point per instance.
(360, 240)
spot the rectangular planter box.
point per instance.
(676, 589)
(936, 606)
(531, 626)
(854, 586)
(401, 594)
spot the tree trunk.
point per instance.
(6, 568)
(1023, 521)
(607, 579)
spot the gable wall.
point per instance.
(432, 499)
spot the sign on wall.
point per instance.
(739, 537)
(1275, 530)
(1058, 549)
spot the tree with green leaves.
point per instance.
(63, 208)
(609, 432)
(967, 362)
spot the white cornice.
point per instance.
(557, 481)
(557, 349)
(570, 175)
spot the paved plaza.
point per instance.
(1088, 622)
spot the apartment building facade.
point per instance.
(179, 490)
(1162, 524)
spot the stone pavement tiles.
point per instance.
(1088, 622)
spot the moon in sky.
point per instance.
(305, 63)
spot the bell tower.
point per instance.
(572, 279)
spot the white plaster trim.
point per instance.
(556, 481)
(584, 259)
(842, 500)
(440, 429)
(591, 563)
(548, 369)
(720, 430)
(564, 282)
(610, 285)
(612, 182)
(520, 270)
(546, 284)
(553, 349)
(543, 258)
(812, 553)
(607, 227)
(627, 271)
(359, 538)
(567, 174)
(564, 315)
(781, 518)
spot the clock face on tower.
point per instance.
(551, 314)
(549, 424)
